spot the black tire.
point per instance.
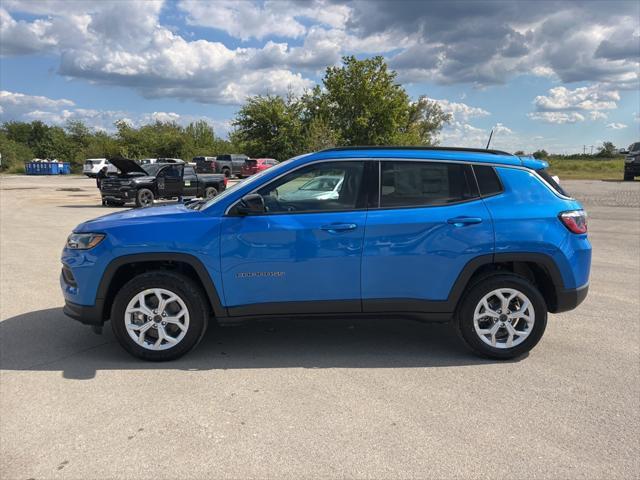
(110, 203)
(190, 293)
(210, 192)
(465, 324)
(628, 177)
(226, 172)
(144, 198)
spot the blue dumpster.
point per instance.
(45, 168)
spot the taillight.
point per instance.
(575, 220)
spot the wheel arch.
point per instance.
(538, 268)
(122, 269)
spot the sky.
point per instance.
(543, 74)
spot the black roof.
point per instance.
(404, 147)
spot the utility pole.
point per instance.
(584, 149)
(591, 149)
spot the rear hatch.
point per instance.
(250, 165)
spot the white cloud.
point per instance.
(594, 97)
(616, 126)
(245, 20)
(557, 117)
(460, 111)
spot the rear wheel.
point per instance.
(144, 198)
(159, 316)
(210, 192)
(502, 317)
(226, 172)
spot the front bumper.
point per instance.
(121, 195)
(633, 168)
(86, 314)
(568, 299)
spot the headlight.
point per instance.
(84, 241)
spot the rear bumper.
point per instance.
(569, 299)
(86, 314)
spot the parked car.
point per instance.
(143, 184)
(148, 161)
(93, 165)
(481, 238)
(206, 164)
(254, 165)
(632, 162)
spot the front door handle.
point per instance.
(462, 221)
(339, 227)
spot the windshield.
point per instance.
(151, 168)
(254, 179)
(635, 147)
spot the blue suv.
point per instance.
(482, 238)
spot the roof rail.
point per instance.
(394, 147)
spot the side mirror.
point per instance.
(251, 204)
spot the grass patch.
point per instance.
(596, 169)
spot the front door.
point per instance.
(302, 255)
(170, 181)
(428, 225)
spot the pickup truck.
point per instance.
(143, 184)
(227, 164)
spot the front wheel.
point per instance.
(628, 177)
(144, 198)
(210, 192)
(502, 317)
(159, 315)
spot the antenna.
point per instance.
(489, 142)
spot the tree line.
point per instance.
(358, 102)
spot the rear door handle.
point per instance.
(339, 227)
(462, 221)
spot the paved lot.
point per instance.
(299, 399)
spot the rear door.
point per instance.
(303, 254)
(426, 224)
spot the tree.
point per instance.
(540, 154)
(362, 102)
(426, 119)
(519, 153)
(270, 126)
(607, 150)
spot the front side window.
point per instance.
(330, 186)
(411, 184)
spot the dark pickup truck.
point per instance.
(143, 184)
(228, 164)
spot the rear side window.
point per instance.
(411, 184)
(544, 173)
(488, 180)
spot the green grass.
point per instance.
(596, 169)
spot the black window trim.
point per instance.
(404, 159)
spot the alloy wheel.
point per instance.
(504, 318)
(157, 319)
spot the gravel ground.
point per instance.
(300, 399)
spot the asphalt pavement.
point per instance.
(313, 398)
